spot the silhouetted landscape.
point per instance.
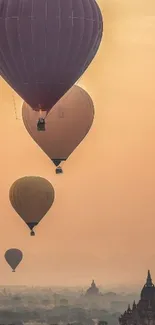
(45, 305)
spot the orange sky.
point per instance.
(102, 223)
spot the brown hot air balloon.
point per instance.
(31, 197)
(66, 126)
(13, 257)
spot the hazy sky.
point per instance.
(102, 224)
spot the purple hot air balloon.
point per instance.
(46, 45)
(13, 257)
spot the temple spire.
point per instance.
(149, 280)
(93, 284)
(129, 309)
(134, 305)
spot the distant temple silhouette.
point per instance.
(142, 313)
(92, 290)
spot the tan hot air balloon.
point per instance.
(31, 197)
(13, 257)
(66, 125)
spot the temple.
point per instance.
(92, 290)
(142, 313)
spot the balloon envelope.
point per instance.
(31, 197)
(13, 257)
(66, 125)
(46, 45)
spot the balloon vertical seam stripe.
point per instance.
(3, 57)
(71, 36)
(79, 47)
(96, 42)
(83, 34)
(85, 64)
(7, 40)
(33, 56)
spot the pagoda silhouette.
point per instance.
(142, 313)
(92, 290)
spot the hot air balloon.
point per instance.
(66, 125)
(46, 45)
(13, 257)
(31, 197)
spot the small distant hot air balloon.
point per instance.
(13, 257)
(31, 197)
(67, 124)
(46, 45)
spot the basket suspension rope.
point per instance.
(14, 104)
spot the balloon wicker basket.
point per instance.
(59, 170)
(32, 233)
(41, 124)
